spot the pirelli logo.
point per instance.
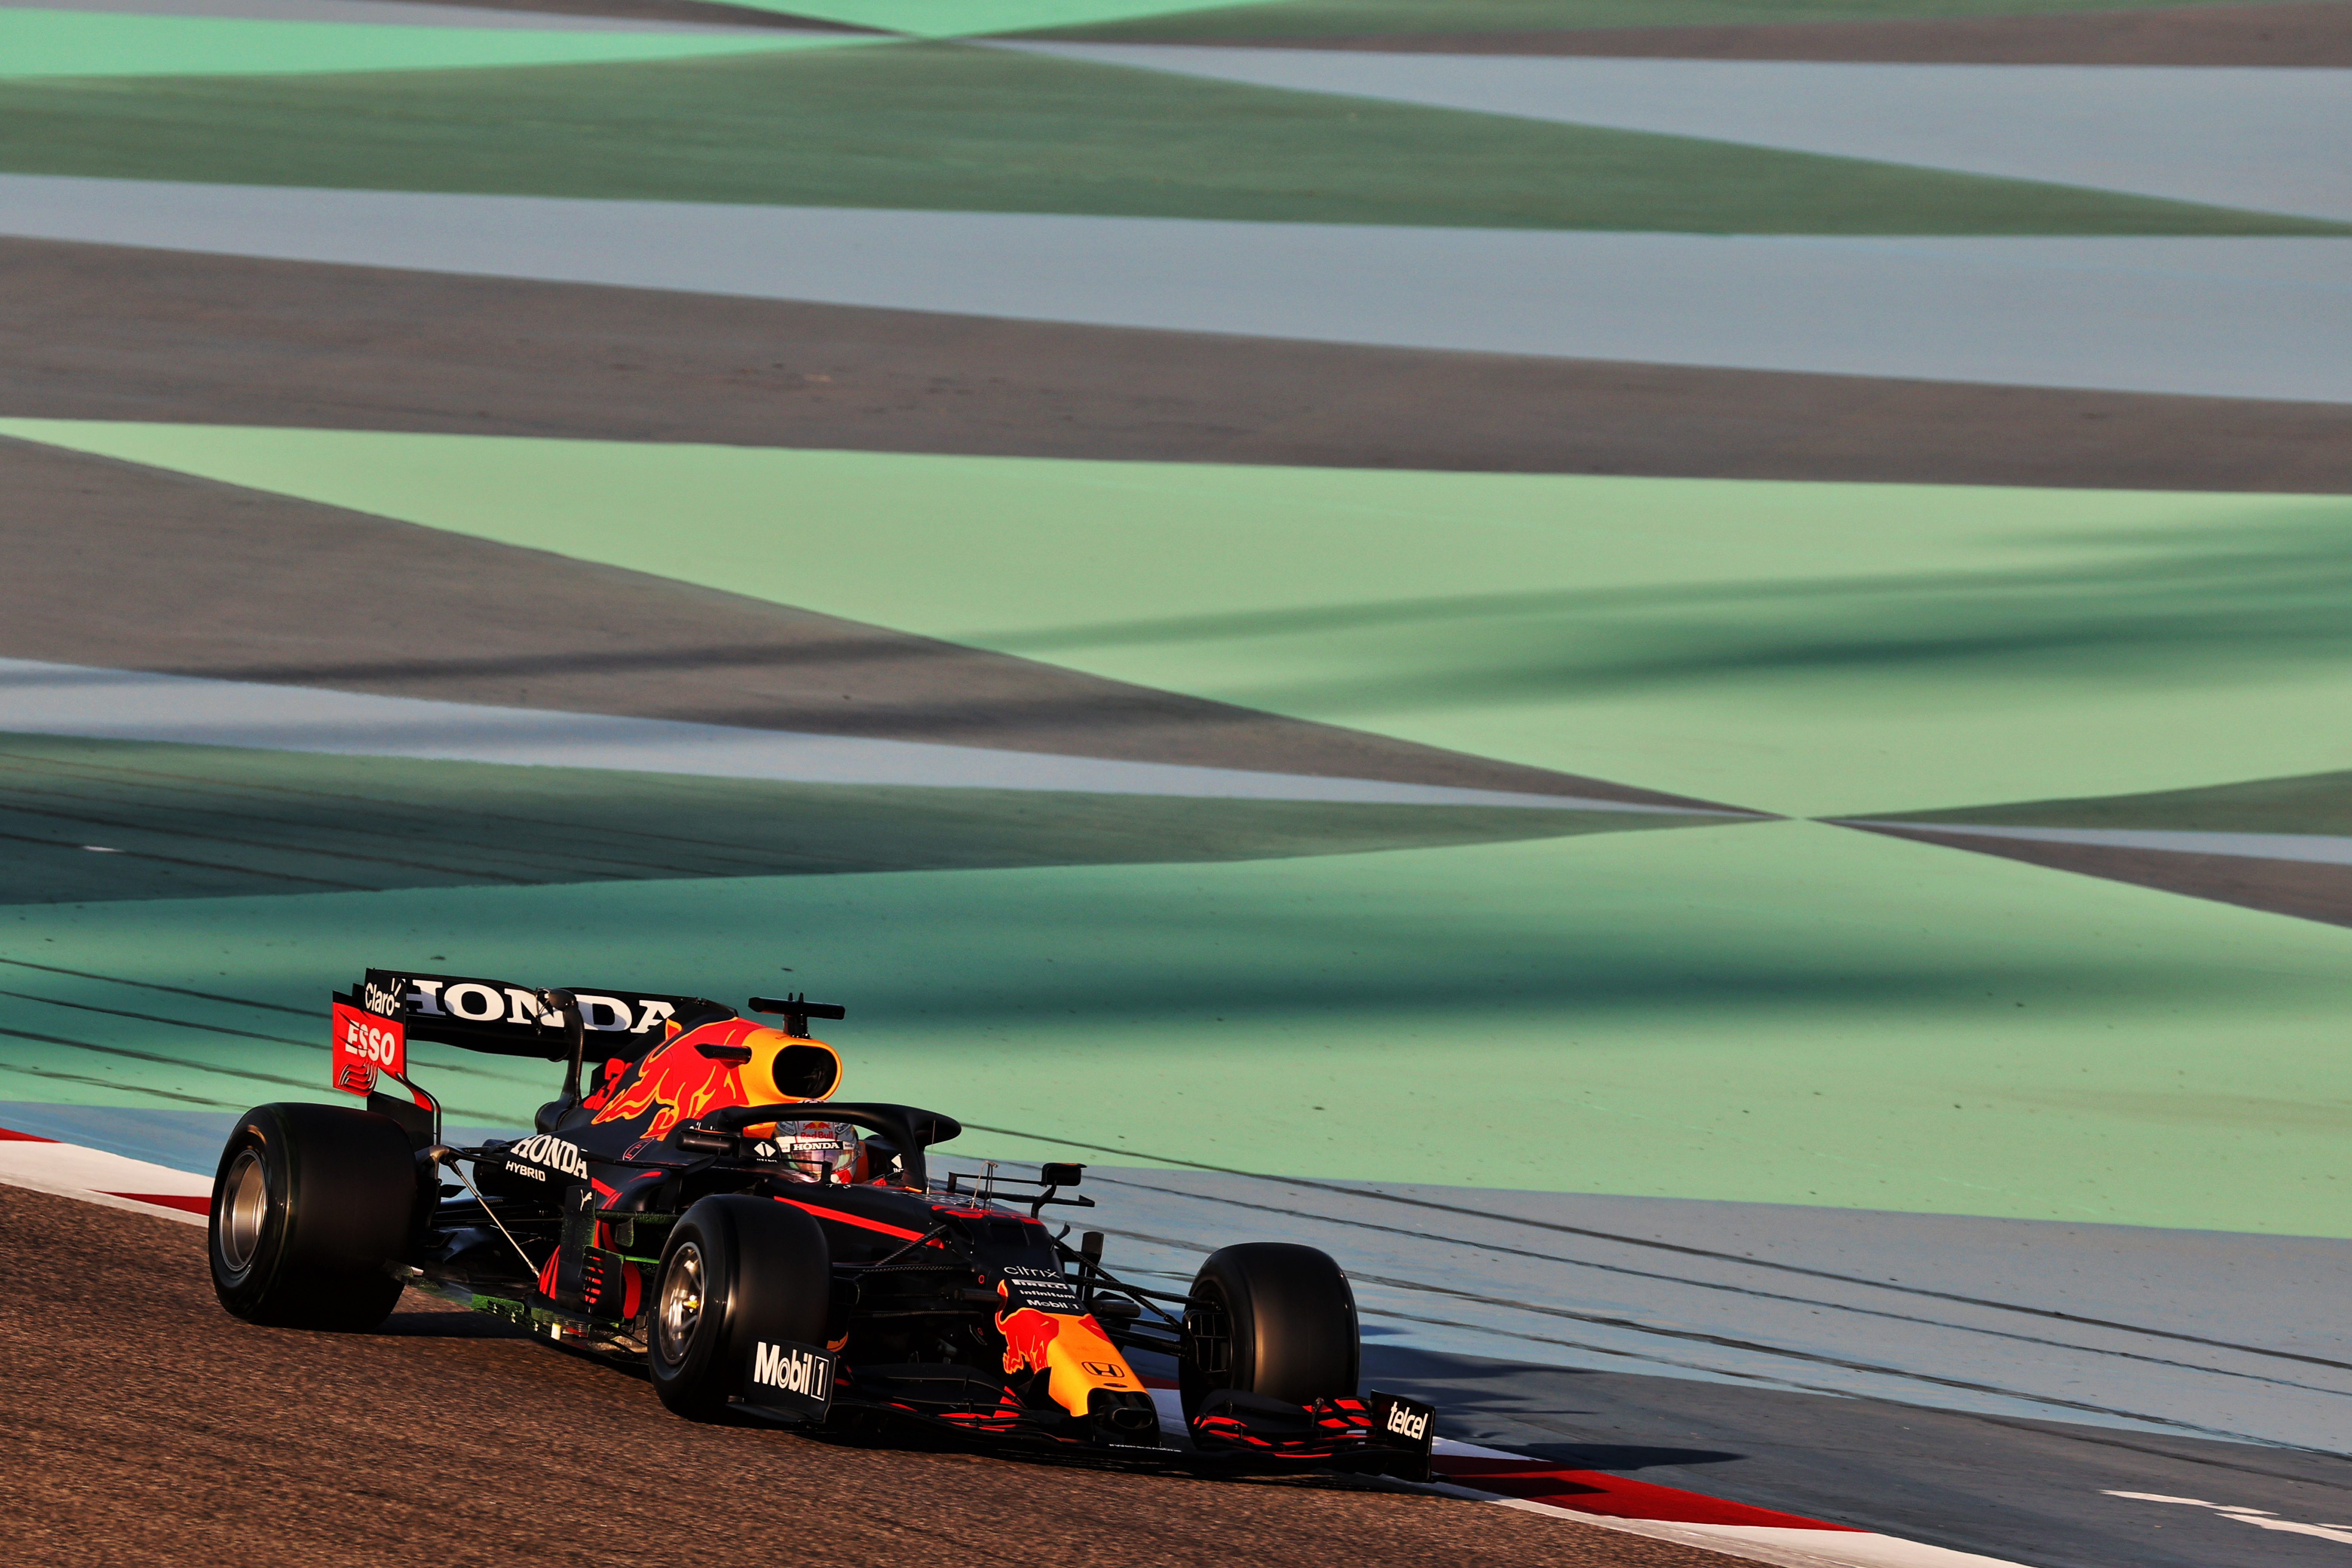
(790, 1377)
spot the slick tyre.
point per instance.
(313, 1205)
(737, 1270)
(1270, 1318)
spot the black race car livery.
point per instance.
(694, 1200)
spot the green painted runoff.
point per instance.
(37, 43)
(1811, 649)
(1329, 18)
(954, 128)
(1785, 1012)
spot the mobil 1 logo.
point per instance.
(789, 1378)
(1401, 1423)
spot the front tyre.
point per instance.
(736, 1270)
(1270, 1318)
(313, 1205)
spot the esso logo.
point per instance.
(377, 1047)
(365, 1044)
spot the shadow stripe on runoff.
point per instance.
(132, 705)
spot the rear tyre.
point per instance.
(1273, 1318)
(737, 1270)
(313, 1205)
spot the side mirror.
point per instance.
(1060, 1175)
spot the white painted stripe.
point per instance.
(131, 705)
(94, 1176)
(1794, 1547)
(2260, 1518)
(1784, 1548)
(2313, 847)
(388, 13)
(2268, 318)
(2232, 136)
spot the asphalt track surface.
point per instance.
(95, 331)
(150, 1427)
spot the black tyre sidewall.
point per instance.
(1291, 1316)
(767, 1275)
(245, 1294)
(343, 1204)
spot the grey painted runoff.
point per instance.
(39, 699)
(2047, 1493)
(2239, 316)
(2206, 1335)
(2232, 136)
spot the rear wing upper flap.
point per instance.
(480, 1014)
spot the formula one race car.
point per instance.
(704, 1209)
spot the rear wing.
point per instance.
(476, 1013)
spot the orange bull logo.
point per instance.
(749, 1064)
(676, 1081)
(1027, 1334)
(1070, 1348)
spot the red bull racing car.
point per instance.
(697, 1203)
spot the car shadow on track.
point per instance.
(448, 1324)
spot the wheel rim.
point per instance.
(244, 1208)
(681, 1302)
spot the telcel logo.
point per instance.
(794, 1370)
(1408, 1425)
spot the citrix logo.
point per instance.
(1407, 1424)
(553, 1153)
(800, 1371)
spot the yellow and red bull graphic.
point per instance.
(1070, 1348)
(706, 1070)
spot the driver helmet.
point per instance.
(820, 1151)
